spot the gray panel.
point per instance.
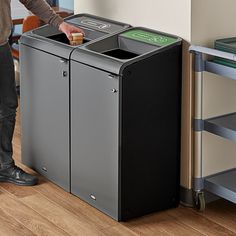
(116, 41)
(45, 115)
(223, 185)
(94, 125)
(135, 46)
(222, 70)
(212, 52)
(97, 60)
(46, 32)
(47, 45)
(224, 126)
(97, 23)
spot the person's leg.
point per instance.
(8, 105)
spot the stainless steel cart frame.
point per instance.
(221, 184)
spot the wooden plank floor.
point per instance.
(48, 210)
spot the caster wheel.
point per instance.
(200, 201)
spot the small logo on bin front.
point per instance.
(96, 24)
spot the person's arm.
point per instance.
(48, 15)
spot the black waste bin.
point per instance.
(125, 122)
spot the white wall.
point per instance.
(212, 19)
(169, 16)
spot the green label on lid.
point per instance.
(149, 37)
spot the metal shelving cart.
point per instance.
(222, 184)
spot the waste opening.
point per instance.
(120, 53)
(63, 38)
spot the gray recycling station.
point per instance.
(102, 120)
(45, 99)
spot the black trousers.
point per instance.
(8, 106)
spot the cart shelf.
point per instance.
(221, 70)
(223, 126)
(222, 184)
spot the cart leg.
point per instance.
(198, 128)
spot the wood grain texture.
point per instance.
(46, 209)
(199, 222)
(161, 224)
(119, 230)
(10, 227)
(74, 205)
(27, 216)
(70, 223)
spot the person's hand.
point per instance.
(69, 29)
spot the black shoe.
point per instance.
(17, 176)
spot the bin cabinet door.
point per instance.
(94, 127)
(45, 114)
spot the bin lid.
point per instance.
(150, 37)
(113, 52)
(96, 26)
(97, 23)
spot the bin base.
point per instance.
(186, 197)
